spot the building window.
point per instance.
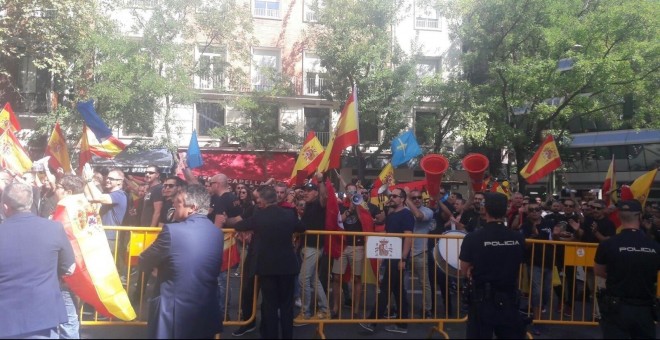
(426, 18)
(211, 64)
(425, 126)
(145, 4)
(309, 14)
(318, 120)
(314, 74)
(209, 116)
(267, 8)
(428, 67)
(368, 131)
(265, 68)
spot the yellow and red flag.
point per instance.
(545, 160)
(95, 279)
(309, 158)
(14, 157)
(609, 186)
(642, 186)
(346, 134)
(58, 150)
(90, 145)
(8, 119)
(386, 176)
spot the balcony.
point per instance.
(215, 82)
(314, 84)
(427, 23)
(323, 137)
(267, 13)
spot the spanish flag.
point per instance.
(346, 134)
(545, 160)
(309, 158)
(95, 279)
(14, 156)
(90, 145)
(8, 119)
(58, 150)
(386, 176)
(642, 186)
(609, 186)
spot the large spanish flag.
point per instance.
(346, 134)
(642, 186)
(14, 157)
(609, 186)
(309, 158)
(58, 150)
(95, 279)
(8, 119)
(545, 160)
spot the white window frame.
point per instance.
(312, 65)
(309, 15)
(267, 12)
(260, 55)
(198, 115)
(433, 67)
(209, 82)
(142, 4)
(427, 18)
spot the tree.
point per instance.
(536, 66)
(353, 40)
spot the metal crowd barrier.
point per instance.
(565, 276)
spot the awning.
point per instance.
(138, 161)
(249, 167)
(619, 137)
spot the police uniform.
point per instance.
(495, 254)
(632, 262)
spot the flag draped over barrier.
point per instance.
(95, 279)
(545, 160)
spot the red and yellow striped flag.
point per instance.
(609, 186)
(58, 150)
(386, 176)
(309, 158)
(8, 119)
(545, 160)
(14, 157)
(346, 134)
(641, 187)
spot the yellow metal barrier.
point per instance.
(129, 243)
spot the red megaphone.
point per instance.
(434, 167)
(476, 164)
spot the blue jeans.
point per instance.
(541, 294)
(309, 282)
(71, 328)
(224, 294)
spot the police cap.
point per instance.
(495, 204)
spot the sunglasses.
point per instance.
(394, 196)
(150, 172)
(415, 197)
(169, 186)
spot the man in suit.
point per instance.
(34, 252)
(276, 262)
(187, 256)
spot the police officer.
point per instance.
(491, 259)
(629, 262)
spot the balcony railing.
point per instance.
(324, 137)
(265, 12)
(141, 3)
(427, 23)
(215, 82)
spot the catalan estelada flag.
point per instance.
(641, 187)
(609, 186)
(14, 157)
(545, 160)
(58, 150)
(309, 158)
(8, 119)
(95, 279)
(346, 134)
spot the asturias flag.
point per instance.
(8, 119)
(404, 148)
(58, 150)
(346, 134)
(194, 155)
(545, 160)
(14, 156)
(309, 158)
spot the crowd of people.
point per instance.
(186, 258)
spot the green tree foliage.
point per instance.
(513, 52)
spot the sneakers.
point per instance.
(428, 314)
(300, 320)
(396, 329)
(244, 330)
(321, 316)
(369, 327)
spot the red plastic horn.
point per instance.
(476, 164)
(434, 167)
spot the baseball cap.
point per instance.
(310, 186)
(630, 206)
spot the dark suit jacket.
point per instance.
(34, 253)
(188, 256)
(273, 229)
